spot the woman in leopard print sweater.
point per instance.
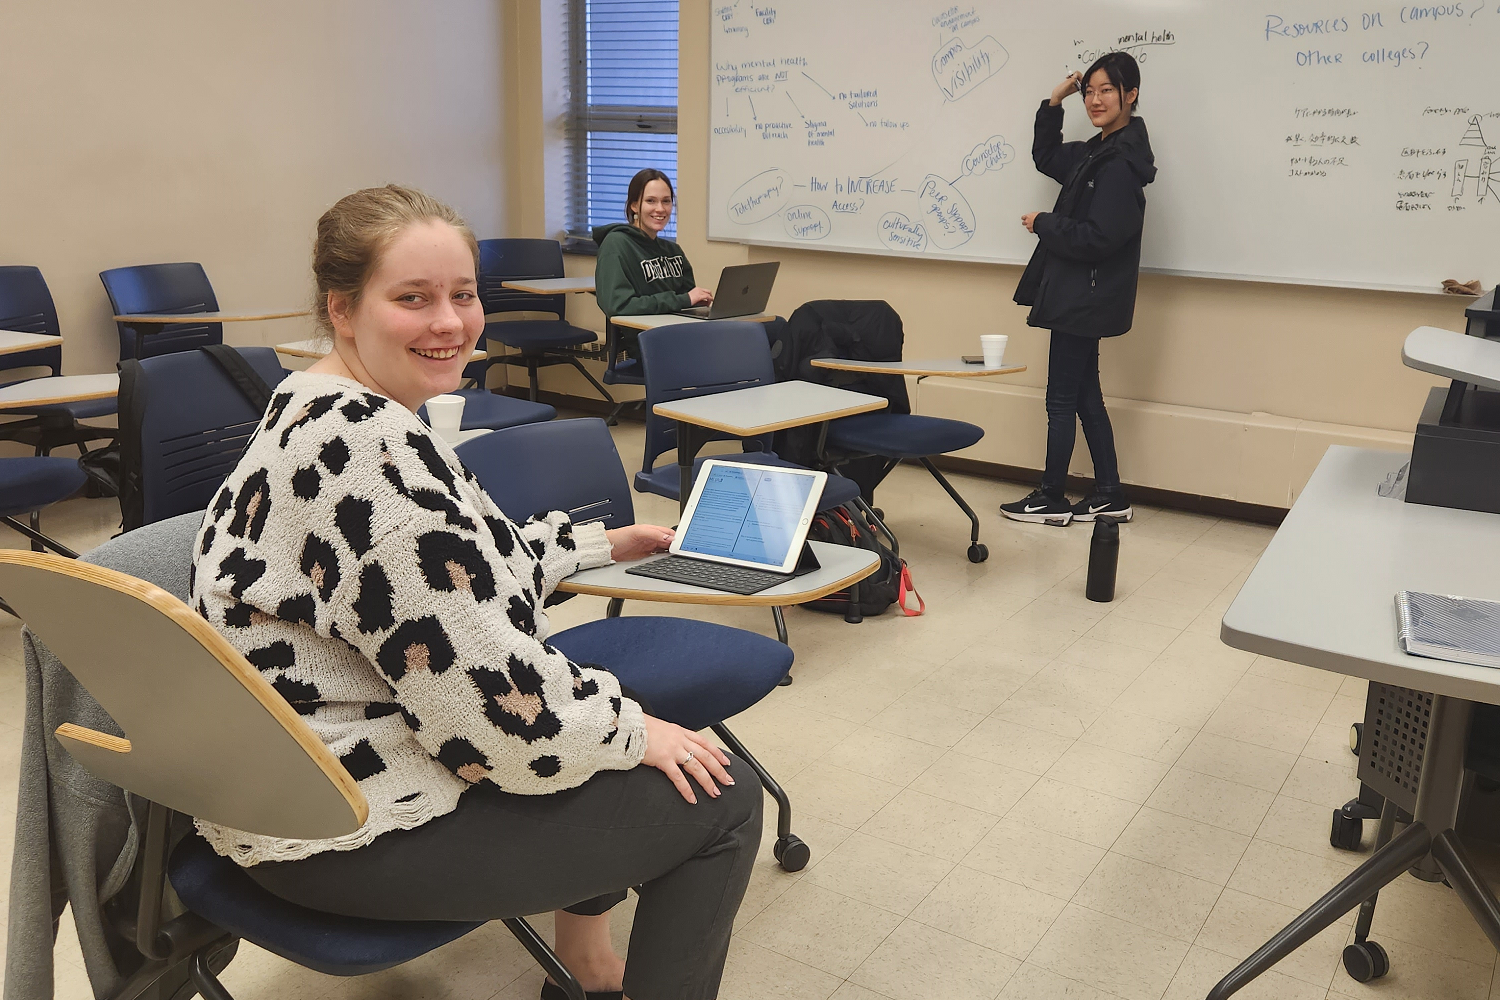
(360, 567)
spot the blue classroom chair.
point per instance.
(540, 342)
(26, 307)
(685, 360)
(29, 484)
(896, 435)
(662, 659)
(194, 424)
(158, 289)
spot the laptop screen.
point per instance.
(747, 513)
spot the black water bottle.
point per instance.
(1104, 559)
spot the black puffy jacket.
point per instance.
(1082, 277)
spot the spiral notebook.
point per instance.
(1449, 628)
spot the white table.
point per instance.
(317, 349)
(551, 286)
(754, 411)
(15, 342)
(59, 389)
(841, 565)
(670, 319)
(920, 369)
(1323, 594)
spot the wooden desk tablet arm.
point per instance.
(206, 735)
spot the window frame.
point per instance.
(584, 118)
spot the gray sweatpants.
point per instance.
(502, 855)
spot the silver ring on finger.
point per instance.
(689, 759)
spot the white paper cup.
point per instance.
(993, 347)
(445, 414)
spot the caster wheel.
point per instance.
(1356, 735)
(1345, 832)
(978, 552)
(879, 513)
(792, 853)
(1365, 961)
(785, 681)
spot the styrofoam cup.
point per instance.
(445, 414)
(993, 347)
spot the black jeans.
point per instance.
(503, 855)
(1073, 390)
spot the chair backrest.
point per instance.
(517, 260)
(162, 288)
(569, 465)
(26, 307)
(858, 329)
(682, 360)
(194, 423)
(205, 733)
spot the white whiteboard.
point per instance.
(1318, 143)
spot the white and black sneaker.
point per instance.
(1096, 505)
(1040, 506)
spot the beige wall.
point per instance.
(1223, 388)
(165, 130)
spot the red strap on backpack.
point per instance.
(901, 591)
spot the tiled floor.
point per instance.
(1020, 795)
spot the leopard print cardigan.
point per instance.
(361, 569)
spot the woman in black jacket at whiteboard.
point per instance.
(1081, 280)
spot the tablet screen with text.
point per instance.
(747, 513)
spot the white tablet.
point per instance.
(749, 515)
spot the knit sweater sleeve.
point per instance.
(562, 548)
(455, 637)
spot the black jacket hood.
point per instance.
(1133, 145)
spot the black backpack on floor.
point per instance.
(889, 584)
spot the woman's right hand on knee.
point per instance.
(679, 753)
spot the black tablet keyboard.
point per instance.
(714, 576)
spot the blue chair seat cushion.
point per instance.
(693, 673)
(218, 890)
(527, 335)
(627, 371)
(491, 411)
(28, 484)
(901, 435)
(664, 480)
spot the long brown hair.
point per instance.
(637, 189)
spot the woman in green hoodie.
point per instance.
(639, 273)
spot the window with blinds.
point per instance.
(623, 112)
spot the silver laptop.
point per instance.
(744, 290)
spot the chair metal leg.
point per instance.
(615, 606)
(790, 851)
(38, 537)
(880, 525)
(545, 957)
(531, 375)
(1382, 837)
(1384, 867)
(1454, 860)
(36, 528)
(978, 551)
(203, 977)
(599, 386)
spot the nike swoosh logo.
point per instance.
(1095, 510)
(1033, 510)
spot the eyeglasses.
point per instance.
(1101, 92)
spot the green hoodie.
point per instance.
(637, 275)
